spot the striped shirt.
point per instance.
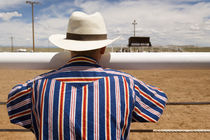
(82, 100)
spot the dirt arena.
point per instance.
(180, 86)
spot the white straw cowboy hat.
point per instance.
(85, 32)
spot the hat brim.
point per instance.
(60, 41)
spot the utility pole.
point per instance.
(12, 48)
(32, 7)
(134, 25)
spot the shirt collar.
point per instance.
(82, 59)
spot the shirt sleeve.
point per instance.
(19, 105)
(149, 103)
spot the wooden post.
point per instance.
(32, 7)
(12, 48)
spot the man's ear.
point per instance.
(102, 50)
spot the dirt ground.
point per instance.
(180, 86)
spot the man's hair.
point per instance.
(85, 53)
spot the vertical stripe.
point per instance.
(107, 105)
(56, 103)
(38, 103)
(72, 113)
(96, 111)
(113, 117)
(66, 114)
(46, 110)
(42, 109)
(102, 109)
(50, 113)
(126, 105)
(37, 99)
(90, 112)
(61, 111)
(34, 114)
(84, 112)
(118, 108)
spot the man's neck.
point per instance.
(97, 56)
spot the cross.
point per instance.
(134, 24)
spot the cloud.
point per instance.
(8, 15)
(19, 30)
(10, 3)
(59, 10)
(167, 22)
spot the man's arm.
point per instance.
(149, 103)
(19, 105)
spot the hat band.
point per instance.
(86, 37)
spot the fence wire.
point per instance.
(144, 130)
(136, 130)
(169, 103)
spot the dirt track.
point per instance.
(180, 86)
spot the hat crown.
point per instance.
(81, 23)
(84, 33)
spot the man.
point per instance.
(82, 100)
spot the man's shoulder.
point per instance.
(41, 76)
(118, 73)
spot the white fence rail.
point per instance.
(146, 61)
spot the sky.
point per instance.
(166, 22)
